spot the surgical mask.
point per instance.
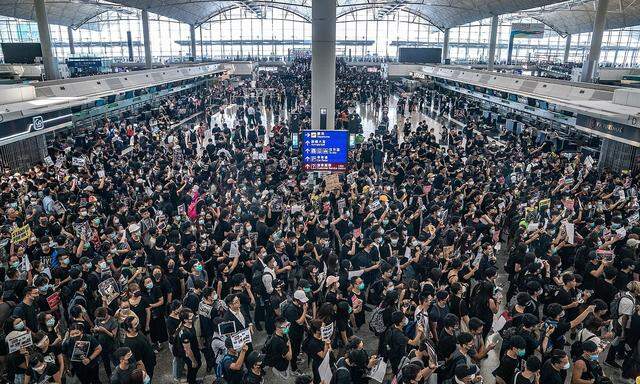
(44, 288)
(593, 357)
(249, 228)
(350, 310)
(19, 326)
(149, 286)
(285, 330)
(66, 261)
(199, 267)
(306, 290)
(566, 366)
(385, 222)
(405, 321)
(103, 265)
(521, 352)
(51, 322)
(394, 242)
(361, 286)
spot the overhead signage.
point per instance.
(615, 131)
(325, 150)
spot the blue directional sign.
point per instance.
(325, 150)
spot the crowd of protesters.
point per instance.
(151, 238)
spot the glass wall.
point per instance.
(370, 33)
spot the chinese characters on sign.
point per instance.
(325, 150)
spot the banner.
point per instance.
(21, 234)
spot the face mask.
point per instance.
(521, 352)
(361, 286)
(149, 286)
(199, 268)
(385, 222)
(593, 357)
(147, 379)
(103, 265)
(51, 322)
(249, 228)
(306, 290)
(566, 366)
(562, 314)
(19, 326)
(285, 330)
(405, 321)
(350, 310)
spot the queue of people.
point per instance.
(153, 239)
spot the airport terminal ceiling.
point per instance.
(574, 16)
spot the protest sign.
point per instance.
(18, 341)
(241, 338)
(296, 208)
(588, 162)
(378, 371)
(276, 203)
(332, 181)
(20, 234)
(108, 289)
(48, 161)
(78, 161)
(80, 350)
(204, 309)
(59, 208)
(295, 162)
(83, 229)
(100, 173)
(351, 178)
(53, 300)
(181, 210)
(255, 155)
(342, 203)
(352, 274)
(569, 204)
(234, 249)
(571, 232)
(357, 232)
(375, 205)
(544, 203)
(326, 332)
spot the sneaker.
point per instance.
(613, 364)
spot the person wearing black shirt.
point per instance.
(139, 345)
(296, 314)
(554, 370)
(206, 313)
(316, 348)
(187, 345)
(510, 361)
(447, 338)
(126, 365)
(278, 349)
(26, 310)
(530, 372)
(255, 369)
(86, 368)
(397, 342)
(605, 288)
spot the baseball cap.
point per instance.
(300, 296)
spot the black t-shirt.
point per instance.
(120, 376)
(522, 380)
(231, 376)
(276, 349)
(397, 342)
(605, 291)
(446, 345)
(507, 368)
(292, 313)
(548, 375)
(141, 349)
(313, 347)
(187, 335)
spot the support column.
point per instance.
(591, 65)
(492, 43)
(147, 39)
(192, 32)
(129, 46)
(72, 47)
(323, 64)
(445, 46)
(567, 48)
(50, 65)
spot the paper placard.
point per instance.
(341, 204)
(77, 161)
(53, 300)
(375, 205)
(80, 350)
(351, 178)
(108, 289)
(357, 232)
(569, 204)
(296, 208)
(204, 309)
(181, 209)
(241, 338)
(255, 155)
(126, 150)
(352, 274)
(544, 203)
(332, 181)
(326, 332)
(588, 162)
(234, 249)
(621, 232)
(571, 232)
(378, 371)
(532, 227)
(100, 173)
(295, 162)
(48, 161)
(19, 341)
(21, 234)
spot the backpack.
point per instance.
(614, 307)
(220, 369)
(334, 378)
(257, 285)
(576, 347)
(376, 324)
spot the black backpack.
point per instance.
(257, 285)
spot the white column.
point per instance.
(50, 65)
(146, 38)
(567, 48)
(192, 33)
(492, 42)
(445, 45)
(591, 65)
(72, 47)
(323, 64)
